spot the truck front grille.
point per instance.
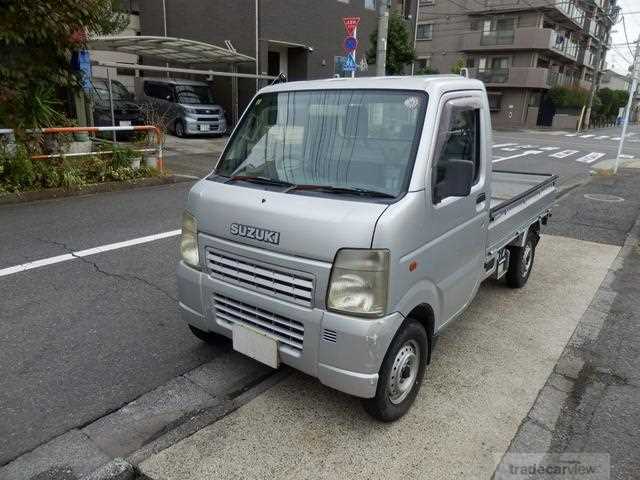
(293, 287)
(285, 330)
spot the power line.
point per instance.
(624, 26)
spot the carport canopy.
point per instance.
(170, 49)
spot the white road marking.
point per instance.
(563, 153)
(548, 149)
(511, 149)
(571, 135)
(587, 136)
(85, 253)
(601, 137)
(624, 155)
(504, 145)
(615, 138)
(591, 157)
(527, 152)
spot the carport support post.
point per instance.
(113, 117)
(234, 95)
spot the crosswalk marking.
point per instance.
(563, 153)
(590, 157)
(587, 136)
(548, 149)
(526, 152)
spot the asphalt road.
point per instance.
(82, 337)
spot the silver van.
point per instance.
(189, 105)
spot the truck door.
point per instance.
(458, 224)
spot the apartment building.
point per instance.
(519, 48)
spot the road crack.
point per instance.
(98, 269)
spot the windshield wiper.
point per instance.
(260, 180)
(341, 190)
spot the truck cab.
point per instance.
(348, 221)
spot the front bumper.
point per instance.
(205, 126)
(343, 352)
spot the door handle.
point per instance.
(481, 198)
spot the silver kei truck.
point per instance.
(348, 221)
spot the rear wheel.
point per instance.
(521, 262)
(401, 373)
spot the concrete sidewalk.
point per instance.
(590, 404)
(487, 370)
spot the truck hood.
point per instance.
(307, 226)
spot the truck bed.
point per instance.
(517, 200)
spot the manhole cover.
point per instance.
(602, 197)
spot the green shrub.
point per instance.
(17, 170)
(564, 97)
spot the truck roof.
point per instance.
(428, 83)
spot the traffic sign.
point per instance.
(349, 64)
(350, 44)
(350, 24)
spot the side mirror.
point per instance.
(457, 181)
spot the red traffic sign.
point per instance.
(350, 24)
(350, 44)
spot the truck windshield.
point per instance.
(194, 94)
(357, 139)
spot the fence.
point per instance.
(124, 128)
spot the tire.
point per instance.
(178, 128)
(207, 337)
(521, 262)
(390, 404)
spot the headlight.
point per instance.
(359, 281)
(189, 241)
(190, 110)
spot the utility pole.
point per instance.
(594, 85)
(632, 91)
(257, 19)
(383, 29)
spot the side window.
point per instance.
(458, 139)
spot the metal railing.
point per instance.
(130, 128)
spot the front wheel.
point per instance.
(401, 373)
(179, 129)
(521, 262)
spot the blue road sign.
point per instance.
(349, 64)
(350, 44)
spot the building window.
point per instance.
(370, 4)
(495, 101)
(427, 3)
(425, 31)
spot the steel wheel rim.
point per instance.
(527, 257)
(404, 372)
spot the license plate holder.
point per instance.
(255, 344)
(125, 123)
(204, 128)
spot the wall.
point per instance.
(316, 24)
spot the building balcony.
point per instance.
(523, 77)
(515, 77)
(524, 38)
(565, 11)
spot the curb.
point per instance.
(116, 469)
(53, 193)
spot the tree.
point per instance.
(400, 52)
(459, 65)
(608, 104)
(37, 38)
